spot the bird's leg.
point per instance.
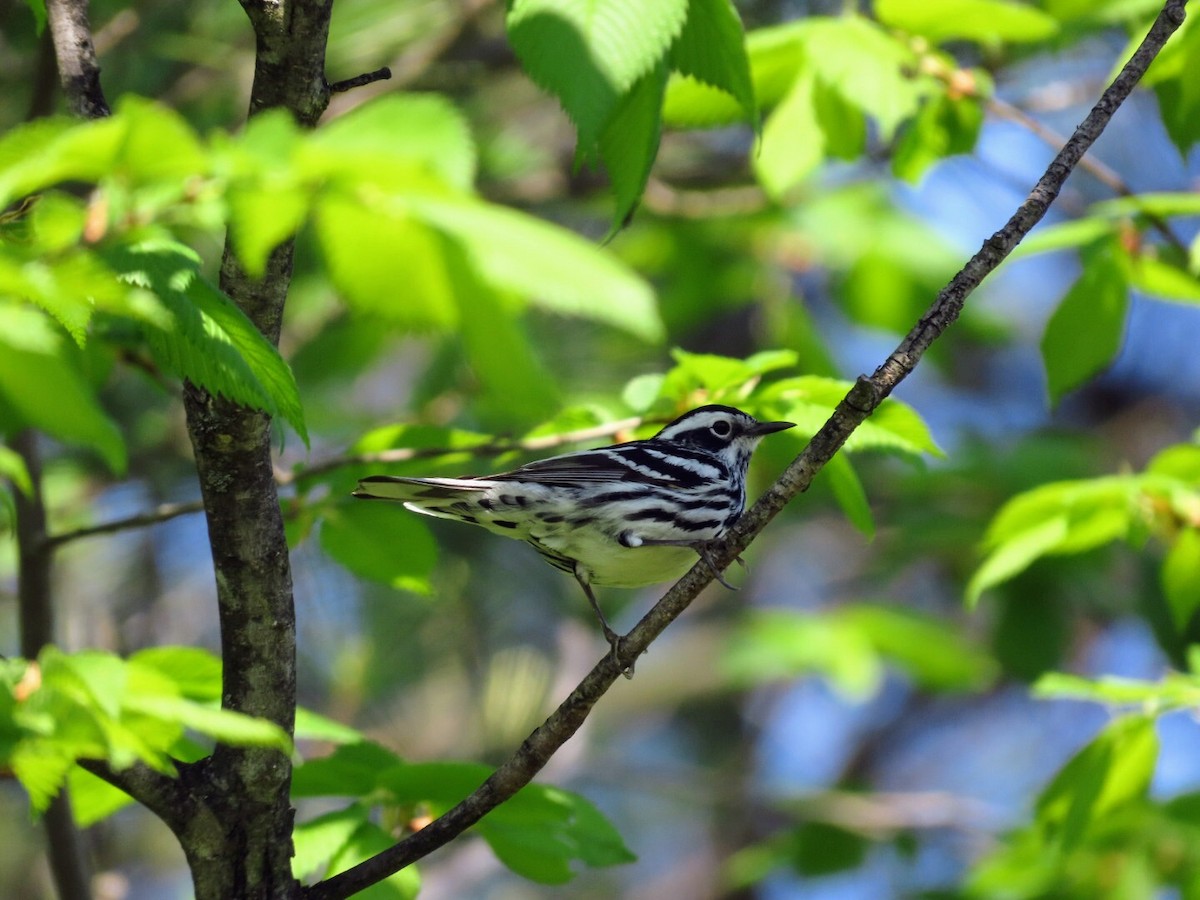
(701, 548)
(614, 639)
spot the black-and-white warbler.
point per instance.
(627, 515)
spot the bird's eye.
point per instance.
(721, 428)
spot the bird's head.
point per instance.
(721, 430)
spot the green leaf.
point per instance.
(382, 140)
(38, 8)
(13, 468)
(210, 342)
(1072, 235)
(195, 672)
(223, 725)
(1055, 518)
(93, 798)
(850, 494)
(983, 21)
(792, 144)
(36, 364)
(943, 126)
(352, 770)
(318, 840)
(555, 269)
(809, 400)
(629, 140)
(366, 841)
(386, 263)
(1014, 556)
(778, 644)
(1181, 577)
(711, 49)
(539, 833)
(380, 541)
(159, 145)
(933, 653)
(515, 387)
(1112, 771)
(870, 68)
(1178, 91)
(311, 726)
(1160, 278)
(1085, 332)
(590, 53)
(1173, 691)
(53, 150)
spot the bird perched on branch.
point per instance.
(627, 515)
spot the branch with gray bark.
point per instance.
(863, 399)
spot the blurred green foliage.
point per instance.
(453, 310)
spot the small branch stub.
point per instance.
(339, 87)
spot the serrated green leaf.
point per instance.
(775, 55)
(555, 269)
(870, 68)
(35, 364)
(380, 541)
(628, 143)
(1181, 577)
(1111, 771)
(42, 770)
(44, 153)
(1085, 332)
(983, 21)
(711, 49)
(590, 53)
(211, 342)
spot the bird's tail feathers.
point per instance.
(417, 491)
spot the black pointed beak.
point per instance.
(759, 429)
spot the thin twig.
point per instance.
(283, 477)
(859, 403)
(162, 513)
(1106, 175)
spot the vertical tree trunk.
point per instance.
(239, 846)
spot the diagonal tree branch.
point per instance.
(858, 404)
